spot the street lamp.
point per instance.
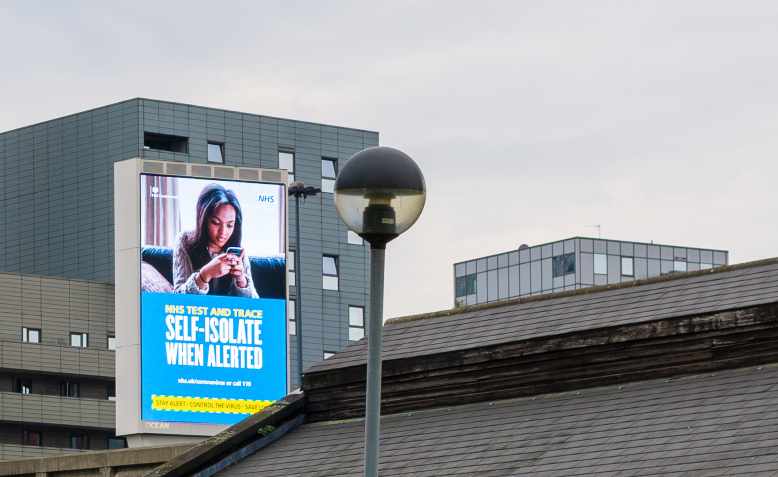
(298, 189)
(379, 194)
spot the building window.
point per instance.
(329, 272)
(69, 389)
(563, 265)
(216, 152)
(459, 286)
(291, 315)
(32, 438)
(627, 267)
(165, 142)
(116, 443)
(705, 266)
(110, 391)
(79, 340)
(329, 170)
(329, 354)
(679, 266)
(356, 323)
(24, 386)
(353, 238)
(79, 441)
(600, 264)
(286, 161)
(291, 275)
(111, 343)
(31, 335)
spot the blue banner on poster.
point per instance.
(210, 359)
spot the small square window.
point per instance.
(355, 333)
(627, 266)
(116, 443)
(79, 441)
(31, 335)
(216, 152)
(291, 275)
(286, 161)
(291, 313)
(112, 343)
(563, 265)
(600, 264)
(356, 323)
(353, 238)
(329, 272)
(69, 389)
(356, 316)
(329, 169)
(110, 391)
(79, 340)
(24, 386)
(32, 438)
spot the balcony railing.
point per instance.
(57, 359)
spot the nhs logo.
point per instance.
(268, 199)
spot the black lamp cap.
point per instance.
(378, 168)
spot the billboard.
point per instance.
(213, 338)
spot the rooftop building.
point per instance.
(57, 262)
(570, 264)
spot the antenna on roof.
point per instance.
(599, 229)
(523, 246)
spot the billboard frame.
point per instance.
(127, 280)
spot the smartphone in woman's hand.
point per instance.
(235, 251)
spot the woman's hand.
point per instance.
(237, 271)
(219, 266)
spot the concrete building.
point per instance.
(570, 264)
(56, 265)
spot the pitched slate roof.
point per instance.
(670, 376)
(670, 296)
(705, 425)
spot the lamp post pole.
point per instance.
(298, 189)
(375, 331)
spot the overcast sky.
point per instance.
(531, 121)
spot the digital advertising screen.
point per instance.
(213, 298)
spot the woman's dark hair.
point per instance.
(211, 197)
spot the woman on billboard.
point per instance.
(210, 260)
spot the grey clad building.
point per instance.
(570, 264)
(56, 265)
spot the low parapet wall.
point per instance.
(119, 463)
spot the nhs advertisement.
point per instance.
(213, 298)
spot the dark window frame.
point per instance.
(32, 438)
(165, 142)
(353, 326)
(26, 334)
(83, 339)
(70, 389)
(220, 145)
(563, 265)
(82, 443)
(23, 385)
